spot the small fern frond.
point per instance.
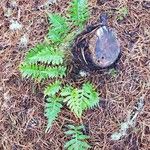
(53, 88)
(41, 72)
(79, 12)
(122, 12)
(52, 109)
(78, 139)
(74, 102)
(79, 100)
(45, 54)
(59, 28)
(90, 93)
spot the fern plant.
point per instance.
(79, 100)
(78, 139)
(53, 104)
(46, 61)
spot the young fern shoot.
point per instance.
(78, 139)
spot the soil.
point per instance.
(22, 123)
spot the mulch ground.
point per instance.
(22, 123)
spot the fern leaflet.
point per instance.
(41, 72)
(90, 93)
(45, 54)
(78, 141)
(79, 12)
(59, 28)
(53, 88)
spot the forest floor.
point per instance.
(22, 123)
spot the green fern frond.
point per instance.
(52, 109)
(59, 28)
(79, 100)
(41, 72)
(74, 102)
(79, 12)
(53, 88)
(122, 12)
(78, 139)
(90, 93)
(45, 54)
